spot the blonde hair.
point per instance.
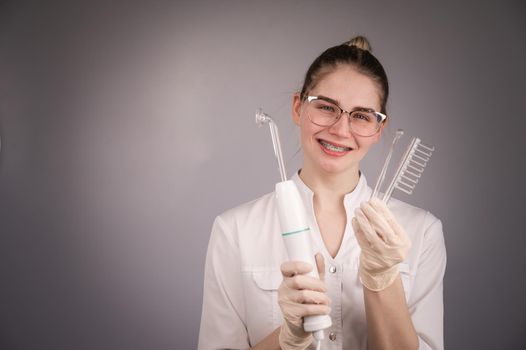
(356, 53)
(360, 42)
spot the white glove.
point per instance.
(300, 295)
(383, 241)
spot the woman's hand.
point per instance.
(383, 241)
(300, 295)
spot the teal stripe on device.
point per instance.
(294, 232)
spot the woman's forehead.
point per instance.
(349, 88)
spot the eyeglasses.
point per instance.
(324, 111)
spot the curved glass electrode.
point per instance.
(263, 118)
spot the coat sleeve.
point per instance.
(223, 314)
(427, 303)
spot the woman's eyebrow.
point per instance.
(358, 108)
(364, 109)
(328, 99)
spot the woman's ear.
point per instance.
(378, 135)
(296, 108)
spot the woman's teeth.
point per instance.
(332, 147)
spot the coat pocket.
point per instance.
(267, 279)
(268, 282)
(261, 302)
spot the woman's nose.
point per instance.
(341, 127)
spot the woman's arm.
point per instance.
(384, 244)
(426, 301)
(389, 324)
(223, 314)
(271, 342)
(393, 323)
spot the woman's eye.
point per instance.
(362, 116)
(327, 108)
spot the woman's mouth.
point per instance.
(333, 149)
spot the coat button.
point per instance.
(332, 336)
(332, 269)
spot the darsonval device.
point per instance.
(294, 226)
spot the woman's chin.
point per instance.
(330, 168)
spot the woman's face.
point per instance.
(351, 90)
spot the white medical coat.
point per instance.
(242, 275)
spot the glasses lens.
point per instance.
(361, 122)
(322, 112)
(365, 123)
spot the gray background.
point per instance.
(127, 126)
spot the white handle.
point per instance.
(295, 231)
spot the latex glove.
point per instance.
(383, 241)
(300, 295)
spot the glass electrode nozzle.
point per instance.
(263, 118)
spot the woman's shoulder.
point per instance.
(406, 212)
(420, 224)
(255, 217)
(264, 203)
(423, 229)
(254, 227)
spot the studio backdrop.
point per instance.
(127, 126)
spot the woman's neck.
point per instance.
(327, 186)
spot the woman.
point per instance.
(381, 267)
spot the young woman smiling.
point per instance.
(381, 267)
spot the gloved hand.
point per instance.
(300, 295)
(383, 241)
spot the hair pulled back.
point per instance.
(356, 53)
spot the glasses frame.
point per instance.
(383, 117)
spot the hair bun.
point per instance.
(360, 42)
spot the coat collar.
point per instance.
(360, 193)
